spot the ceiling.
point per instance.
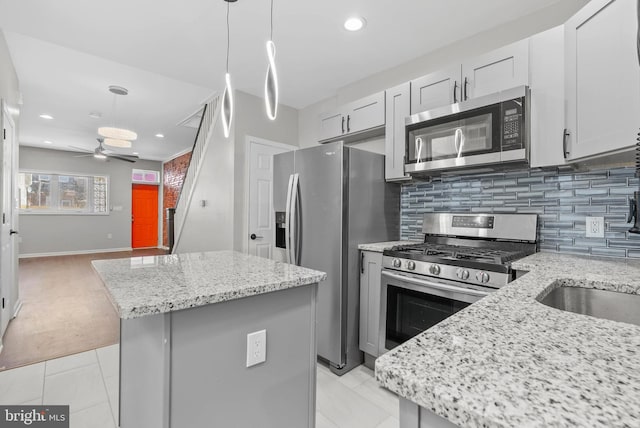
(171, 56)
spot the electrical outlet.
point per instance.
(595, 227)
(256, 347)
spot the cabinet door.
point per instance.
(332, 125)
(547, 122)
(370, 269)
(497, 70)
(397, 109)
(365, 113)
(602, 77)
(436, 89)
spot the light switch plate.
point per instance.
(595, 227)
(256, 347)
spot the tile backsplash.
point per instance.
(562, 199)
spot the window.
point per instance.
(48, 193)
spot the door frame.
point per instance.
(248, 141)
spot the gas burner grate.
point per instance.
(487, 255)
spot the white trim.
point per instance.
(247, 176)
(75, 253)
(1, 346)
(16, 308)
(177, 155)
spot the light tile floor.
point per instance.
(88, 382)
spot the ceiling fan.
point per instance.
(101, 153)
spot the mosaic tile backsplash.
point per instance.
(562, 200)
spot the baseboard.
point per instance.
(74, 253)
(162, 247)
(16, 308)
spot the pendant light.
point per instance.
(112, 133)
(227, 96)
(271, 79)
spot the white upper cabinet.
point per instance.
(546, 74)
(497, 70)
(500, 69)
(353, 119)
(602, 80)
(437, 89)
(397, 99)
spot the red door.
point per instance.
(144, 216)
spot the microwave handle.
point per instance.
(435, 285)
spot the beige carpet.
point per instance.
(65, 309)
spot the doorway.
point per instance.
(144, 216)
(261, 216)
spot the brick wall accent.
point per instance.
(173, 173)
(562, 200)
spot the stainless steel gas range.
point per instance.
(463, 258)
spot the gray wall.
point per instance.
(561, 199)
(456, 52)
(77, 233)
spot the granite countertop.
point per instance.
(508, 360)
(140, 286)
(379, 247)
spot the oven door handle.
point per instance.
(435, 285)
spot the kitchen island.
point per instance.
(184, 348)
(509, 360)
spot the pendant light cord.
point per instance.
(271, 20)
(228, 37)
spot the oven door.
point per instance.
(411, 304)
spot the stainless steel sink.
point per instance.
(609, 305)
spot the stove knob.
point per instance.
(411, 265)
(434, 269)
(462, 273)
(482, 277)
(397, 263)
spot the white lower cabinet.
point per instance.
(370, 269)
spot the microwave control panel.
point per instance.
(513, 124)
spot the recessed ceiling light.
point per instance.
(95, 115)
(354, 23)
(48, 142)
(160, 135)
(136, 153)
(46, 116)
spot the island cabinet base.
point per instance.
(414, 416)
(188, 368)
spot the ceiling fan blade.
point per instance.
(81, 149)
(122, 158)
(83, 156)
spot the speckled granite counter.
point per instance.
(158, 284)
(510, 361)
(379, 247)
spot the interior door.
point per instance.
(7, 237)
(261, 240)
(144, 216)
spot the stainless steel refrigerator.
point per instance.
(333, 198)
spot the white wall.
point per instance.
(46, 234)
(456, 52)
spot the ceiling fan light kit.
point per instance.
(117, 133)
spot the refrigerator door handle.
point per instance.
(295, 220)
(287, 229)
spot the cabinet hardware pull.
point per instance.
(455, 88)
(343, 124)
(348, 123)
(565, 135)
(466, 82)
(362, 263)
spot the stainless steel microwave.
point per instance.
(488, 130)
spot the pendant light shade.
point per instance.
(117, 133)
(227, 106)
(271, 83)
